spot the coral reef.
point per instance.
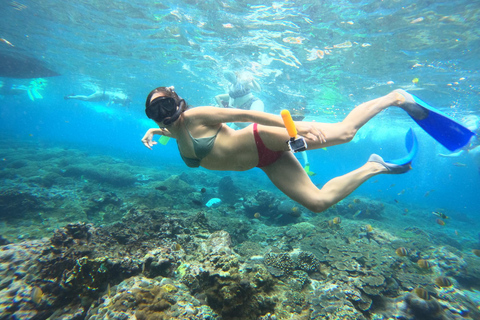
(147, 247)
(156, 264)
(145, 299)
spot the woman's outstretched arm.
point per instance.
(213, 116)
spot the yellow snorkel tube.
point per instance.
(295, 143)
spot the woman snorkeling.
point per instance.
(204, 140)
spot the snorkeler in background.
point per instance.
(240, 96)
(111, 97)
(472, 149)
(32, 89)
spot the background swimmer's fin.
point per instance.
(308, 171)
(164, 140)
(451, 134)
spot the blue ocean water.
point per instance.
(320, 57)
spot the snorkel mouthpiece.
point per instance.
(176, 115)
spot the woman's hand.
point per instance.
(147, 139)
(310, 132)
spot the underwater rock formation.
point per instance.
(227, 190)
(14, 204)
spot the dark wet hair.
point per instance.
(167, 92)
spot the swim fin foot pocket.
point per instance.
(392, 168)
(413, 109)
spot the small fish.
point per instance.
(401, 252)
(161, 188)
(356, 200)
(401, 192)
(368, 228)
(296, 212)
(459, 164)
(392, 185)
(396, 201)
(203, 190)
(36, 295)
(443, 282)
(440, 222)
(440, 214)
(476, 252)
(422, 293)
(177, 247)
(424, 264)
(337, 220)
(109, 290)
(415, 80)
(356, 214)
(257, 215)
(457, 233)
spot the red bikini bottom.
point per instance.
(265, 155)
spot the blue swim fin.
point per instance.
(451, 134)
(401, 165)
(411, 144)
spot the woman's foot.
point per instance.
(391, 167)
(407, 103)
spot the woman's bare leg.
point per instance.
(288, 175)
(336, 133)
(342, 132)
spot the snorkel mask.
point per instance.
(164, 109)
